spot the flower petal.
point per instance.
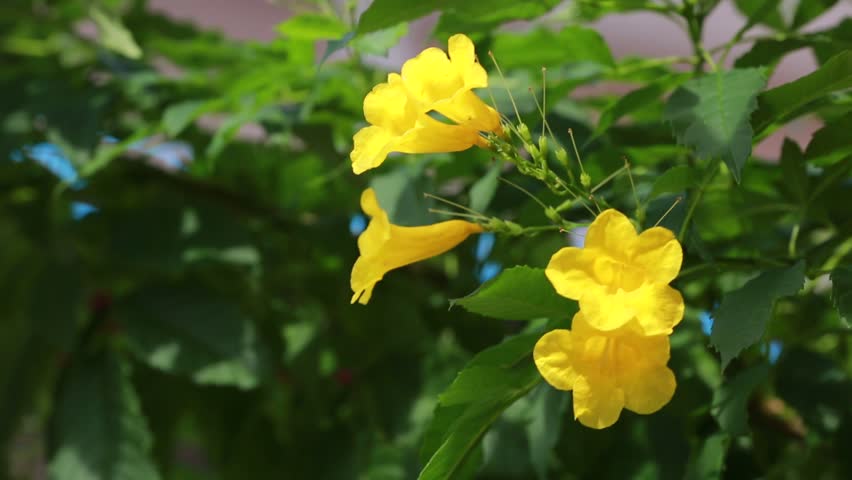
(430, 77)
(649, 390)
(432, 136)
(659, 253)
(597, 402)
(385, 247)
(606, 311)
(467, 109)
(570, 271)
(463, 58)
(388, 106)
(611, 232)
(658, 308)
(372, 145)
(552, 355)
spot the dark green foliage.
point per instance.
(197, 324)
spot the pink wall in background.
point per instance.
(646, 34)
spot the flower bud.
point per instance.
(585, 180)
(542, 145)
(562, 156)
(524, 132)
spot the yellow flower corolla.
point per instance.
(620, 276)
(398, 111)
(608, 371)
(385, 246)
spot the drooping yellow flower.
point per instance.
(398, 111)
(608, 371)
(385, 246)
(619, 275)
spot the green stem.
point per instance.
(695, 198)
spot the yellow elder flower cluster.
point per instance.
(399, 111)
(615, 354)
(399, 115)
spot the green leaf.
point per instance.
(387, 13)
(776, 104)
(625, 105)
(793, 170)
(484, 17)
(830, 144)
(379, 42)
(483, 190)
(742, 317)
(816, 386)
(178, 116)
(570, 45)
(547, 406)
(730, 401)
(115, 36)
(674, 180)
(101, 433)
(184, 330)
(312, 26)
(841, 291)
(400, 194)
(762, 11)
(491, 382)
(711, 114)
(709, 462)
(518, 293)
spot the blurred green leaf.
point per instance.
(794, 171)
(380, 41)
(489, 383)
(730, 401)
(115, 36)
(711, 114)
(400, 194)
(830, 143)
(312, 26)
(483, 190)
(518, 293)
(841, 291)
(777, 104)
(709, 462)
(816, 387)
(627, 104)
(572, 44)
(676, 179)
(188, 331)
(742, 317)
(547, 406)
(101, 433)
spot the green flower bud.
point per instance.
(525, 132)
(585, 180)
(542, 144)
(562, 156)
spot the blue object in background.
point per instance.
(773, 351)
(357, 224)
(484, 245)
(489, 270)
(706, 322)
(50, 156)
(81, 210)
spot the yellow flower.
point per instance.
(385, 246)
(620, 275)
(608, 371)
(398, 111)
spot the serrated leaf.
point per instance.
(730, 401)
(380, 41)
(841, 291)
(183, 330)
(387, 13)
(776, 104)
(674, 180)
(483, 189)
(741, 319)
(101, 432)
(491, 382)
(518, 293)
(711, 114)
(710, 460)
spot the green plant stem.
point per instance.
(695, 198)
